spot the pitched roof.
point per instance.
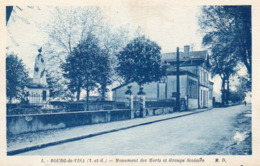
(192, 55)
(120, 86)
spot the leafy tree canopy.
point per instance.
(140, 61)
(242, 88)
(16, 77)
(228, 28)
(223, 65)
(86, 66)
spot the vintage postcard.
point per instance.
(129, 82)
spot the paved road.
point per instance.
(198, 134)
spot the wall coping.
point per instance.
(78, 112)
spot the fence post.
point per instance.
(143, 106)
(132, 106)
(129, 96)
(141, 96)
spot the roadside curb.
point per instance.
(22, 150)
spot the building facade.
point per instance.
(195, 88)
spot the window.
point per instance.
(192, 89)
(207, 95)
(204, 77)
(201, 95)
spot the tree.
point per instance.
(84, 67)
(242, 88)
(244, 84)
(140, 62)
(16, 77)
(56, 90)
(104, 76)
(225, 67)
(232, 26)
(237, 96)
(69, 27)
(227, 34)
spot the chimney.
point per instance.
(186, 51)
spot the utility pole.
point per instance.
(178, 82)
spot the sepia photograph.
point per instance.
(128, 80)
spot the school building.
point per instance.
(195, 88)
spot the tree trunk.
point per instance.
(78, 94)
(87, 99)
(140, 86)
(103, 92)
(223, 91)
(227, 93)
(247, 61)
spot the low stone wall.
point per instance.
(17, 124)
(158, 110)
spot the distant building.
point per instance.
(195, 86)
(38, 89)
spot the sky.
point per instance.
(168, 26)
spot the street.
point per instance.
(210, 132)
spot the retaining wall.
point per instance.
(158, 111)
(17, 124)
